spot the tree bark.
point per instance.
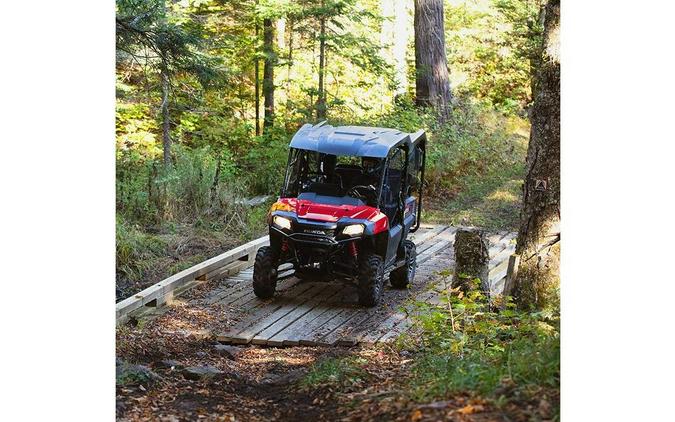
(321, 101)
(268, 73)
(256, 64)
(471, 260)
(214, 185)
(538, 279)
(289, 64)
(432, 83)
(166, 135)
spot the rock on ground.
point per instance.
(200, 372)
(230, 352)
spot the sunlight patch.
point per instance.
(502, 195)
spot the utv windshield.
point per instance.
(325, 178)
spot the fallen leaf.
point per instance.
(466, 410)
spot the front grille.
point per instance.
(314, 233)
(303, 237)
(317, 232)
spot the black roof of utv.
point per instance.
(358, 141)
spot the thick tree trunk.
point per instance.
(535, 57)
(268, 73)
(166, 135)
(471, 260)
(432, 83)
(538, 279)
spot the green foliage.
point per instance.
(265, 164)
(502, 354)
(345, 371)
(134, 249)
(128, 374)
(492, 50)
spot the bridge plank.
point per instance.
(341, 335)
(249, 302)
(328, 291)
(420, 238)
(309, 323)
(443, 240)
(501, 256)
(245, 332)
(379, 328)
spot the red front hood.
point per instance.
(325, 212)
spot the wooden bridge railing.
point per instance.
(158, 294)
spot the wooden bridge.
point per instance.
(217, 297)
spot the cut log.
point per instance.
(471, 260)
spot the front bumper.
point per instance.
(312, 234)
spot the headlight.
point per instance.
(280, 206)
(353, 230)
(282, 222)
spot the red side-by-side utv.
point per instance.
(350, 198)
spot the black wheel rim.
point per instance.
(412, 263)
(380, 282)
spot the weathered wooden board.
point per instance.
(327, 291)
(245, 332)
(159, 291)
(319, 315)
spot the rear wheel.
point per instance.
(401, 277)
(265, 273)
(371, 280)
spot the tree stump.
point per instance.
(471, 260)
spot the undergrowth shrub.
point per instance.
(475, 141)
(134, 249)
(466, 346)
(264, 166)
(339, 371)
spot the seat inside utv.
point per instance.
(349, 174)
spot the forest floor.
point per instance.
(263, 384)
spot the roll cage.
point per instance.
(326, 164)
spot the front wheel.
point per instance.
(265, 273)
(401, 277)
(371, 280)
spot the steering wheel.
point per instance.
(363, 192)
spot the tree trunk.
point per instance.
(535, 56)
(471, 260)
(256, 63)
(321, 101)
(538, 279)
(432, 84)
(268, 73)
(166, 135)
(290, 65)
(395, 35)
(214, 185)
